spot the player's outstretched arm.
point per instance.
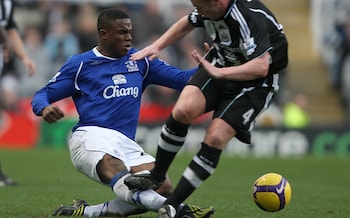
(19, 50)
(253, 69)
(150, 51)
(173, 34)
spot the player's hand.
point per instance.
(52, 113)
(150, 51)
(27, 62)
(212, 70)
(30, 66)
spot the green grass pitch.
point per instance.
(46, 178)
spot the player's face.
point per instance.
(118, 38)
(211, 9)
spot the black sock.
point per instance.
(200, 168)
(171, 140)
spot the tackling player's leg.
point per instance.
(119, 208)
(76, 209)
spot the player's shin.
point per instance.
(200, 168)
(171, 140)
(119, 188)
(116, 208)
(148, 199)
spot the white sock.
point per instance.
(149, 199)
(119, 188)
(115, 207)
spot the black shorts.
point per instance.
(236, 103)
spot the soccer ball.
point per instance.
(272, 192)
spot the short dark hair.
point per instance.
(108, 15)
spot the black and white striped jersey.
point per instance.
(247, 30)
(6, 14)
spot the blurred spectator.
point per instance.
(272, 117)
(147, 23)
(58, 12)
(332, 32)
(342, 47)
(295, 112)
(341, 73)
(60, 43)
(86, 26)
(33, 43)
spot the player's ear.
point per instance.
(102, 33)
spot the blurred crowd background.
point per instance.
(54, 30)
(330, 22)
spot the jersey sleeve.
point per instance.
(160, 73)
(61, 86)
(254, 27)
(260, 37)
(11, 23)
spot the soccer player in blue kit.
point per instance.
(236, 80)
(106, 87)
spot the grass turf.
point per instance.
(46, 178)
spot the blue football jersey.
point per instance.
(107, 91)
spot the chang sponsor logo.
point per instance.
(114, 91)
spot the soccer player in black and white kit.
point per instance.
(10, 40)
(106, 87)
(236, 79)
(10, 37)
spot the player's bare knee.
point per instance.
(184, 114)
(214, 140)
